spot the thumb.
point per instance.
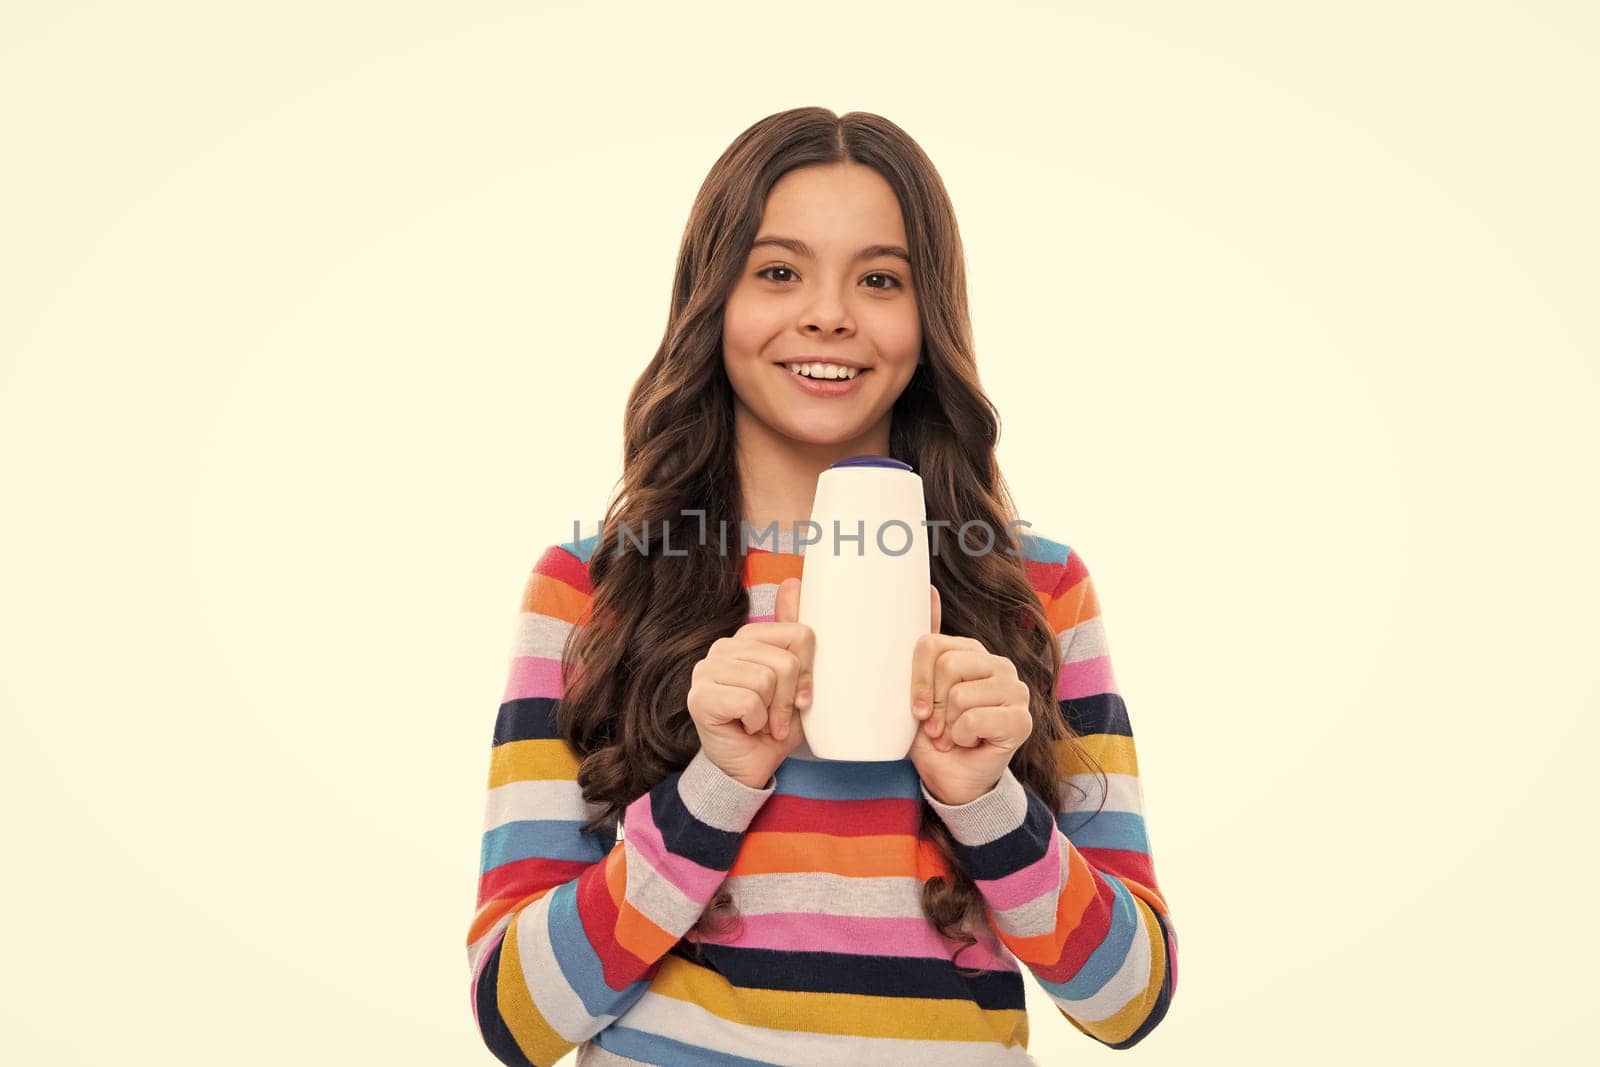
(935, 614)
(788, 605)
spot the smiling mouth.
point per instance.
(852, 374)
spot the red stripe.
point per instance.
(1090, 932)
(1124, 863)
(559, 563)
(840, 818)
(520, 878)
(598, 915)
(1072, 573)
(1043, 575)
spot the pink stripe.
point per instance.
(643, 840)
(1086, 677)
(1019, 887)
(535, 676)
(1172, 960)
(857, 935)
(763, 618)
(483, 961)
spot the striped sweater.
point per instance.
(582, 939)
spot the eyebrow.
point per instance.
(800, 248)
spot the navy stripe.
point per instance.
(1014, 850)
(1158, 1010)
(873, 976)
(1104, 713)
(686, 836)
(491, 1026)
(526, 719)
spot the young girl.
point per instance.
(669, 876)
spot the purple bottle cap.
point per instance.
(871, 461)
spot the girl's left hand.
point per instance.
(974, 709)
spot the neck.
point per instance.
(778, 475)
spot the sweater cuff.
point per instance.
(990, 817)
(718, 799)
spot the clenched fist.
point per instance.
(745, 694)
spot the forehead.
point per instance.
(834, 208)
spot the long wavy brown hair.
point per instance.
(652, 618)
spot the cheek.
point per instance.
(746, 329)
(898, 337)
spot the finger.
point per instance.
(924, 654)
(1000, 689)
(801, 641)
(787, 606)
(936, 613)
(785, 668)
(1005, 727)
(965, 660)
(789, 611)
(743, 669)
(726, 705)
(993, 691)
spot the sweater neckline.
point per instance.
(784, 543)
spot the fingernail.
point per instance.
(802, 699)
(781, 731)
(920, 709)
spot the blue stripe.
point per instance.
(550, 839)
(1105, 829)
(584, 547)
(653, 1048)
(1106, 960)
(580, 967)
(849, 779)
(1041, 549)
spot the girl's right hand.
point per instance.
(744, 695)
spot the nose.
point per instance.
(826, 315)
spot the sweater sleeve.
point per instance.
(571, 925)
(1073, 893)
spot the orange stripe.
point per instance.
(930, 861)
(494, 910)
(763, 567)
(617, 875)
(634, 931)
(1073, 606)
(1081, 889)
(1150, 896)
(868, 856)
(551, 596)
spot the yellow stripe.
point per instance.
(1114, 753)
(536, 1038)
(527, 761)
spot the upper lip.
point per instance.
(839, 361)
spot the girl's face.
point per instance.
(826, 281)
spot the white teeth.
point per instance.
(828, 371)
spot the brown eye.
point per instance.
(890, 277)
(767, 271)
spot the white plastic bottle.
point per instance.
(867, 601)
